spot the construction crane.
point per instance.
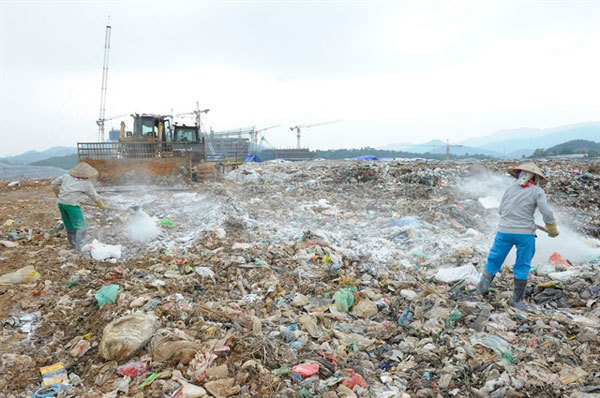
(101, 120)
(306, 126)
(448, 146)
(197, 112)
(254, 136)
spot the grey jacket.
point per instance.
(73, 190)
(518, 206)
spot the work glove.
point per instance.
(100, 204)
(56, 191)
(552, 230)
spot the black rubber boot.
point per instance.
(519, 294)
(79, 238)
(71, 237)
(484, 283)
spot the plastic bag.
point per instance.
(355, 379)
(344, 298)
(23, 275)
(123, 337)
(107, 294)
(559, 260)
(468, 273)
(101, 252)
(546, 269)
(451, 320)
(132, 369)
(306, 369)
(499, 345)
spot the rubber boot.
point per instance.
(484, 283)
(79, 238)
(71, 237)
(519, 294)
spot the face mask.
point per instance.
(524, 176)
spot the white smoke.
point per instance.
(142, 227)
(573, 246)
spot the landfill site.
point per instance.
(300, 279)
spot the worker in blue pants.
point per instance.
(517, 228)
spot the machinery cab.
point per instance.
(185, 134)
(147, 128)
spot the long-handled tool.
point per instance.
(106, 207)
(542, 228)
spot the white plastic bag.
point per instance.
(468, 273)
(23, 275)
(100, 251)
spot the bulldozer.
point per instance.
(155, 147)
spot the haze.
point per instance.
(393, 71)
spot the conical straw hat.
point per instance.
(530, 167)
(83, 170)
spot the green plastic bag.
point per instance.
(165, 222)
(344, 298)
(454, 316)
(108, 294)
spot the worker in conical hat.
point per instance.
(517, 228)
(70, 189)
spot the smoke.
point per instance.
(142, 227)
(488, 186)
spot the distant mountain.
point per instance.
(539, 138)
(35, 156)
(439, 147)
(64, 162)
(15, 172)
(589, 148)
(397, 146)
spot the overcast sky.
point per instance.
(394, 71)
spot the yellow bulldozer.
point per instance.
(154, 147)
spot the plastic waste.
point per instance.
(107, 294)
(468, 273)
(558, 260)
(101, 251)
(499, 345)
(354, 380)
(344, 298)
(406, 317)
(80, 348)
(206, 272)
(123, 337)
(306, 369)
(132, 369)
(26, 274)
(451, 320)
(165, 222)
(149, 380)
(54, 374)
(546, 269)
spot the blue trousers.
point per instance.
(502, 244)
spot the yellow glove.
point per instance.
(552, 230)
(56, 191)
(100, 204)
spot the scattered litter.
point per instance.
(101, 252)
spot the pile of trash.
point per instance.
(289, 284)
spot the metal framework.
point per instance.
(138, 150)
(101, 119)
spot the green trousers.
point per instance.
(72, 217)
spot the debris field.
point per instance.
(308, 279)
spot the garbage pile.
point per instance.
(281, 281)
